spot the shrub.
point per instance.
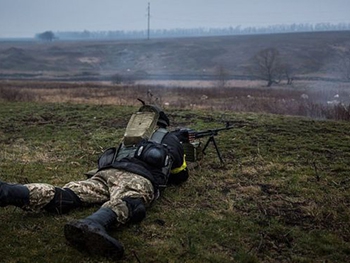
(16, 94)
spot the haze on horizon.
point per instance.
(25, 18)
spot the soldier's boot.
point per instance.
(90, 234)
(64, 200)
(13, 194)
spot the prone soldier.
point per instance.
(128, 179)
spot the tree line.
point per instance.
(185, 32)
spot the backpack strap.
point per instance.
(159, 135)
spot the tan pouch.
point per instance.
(140, 126)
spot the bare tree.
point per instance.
(222, 77)
(267, 66)
(288, 71)
(344, 65)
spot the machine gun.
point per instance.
(189, 139)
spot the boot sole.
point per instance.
(90, 239)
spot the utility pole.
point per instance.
(149, 20)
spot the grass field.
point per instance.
(281, 196)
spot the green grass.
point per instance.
(282, 196)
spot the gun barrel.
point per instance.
(210, 132)
(202, 134)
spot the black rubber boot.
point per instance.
(90, 234)
(63, 201)
(13, 194)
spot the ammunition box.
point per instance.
(192, 151)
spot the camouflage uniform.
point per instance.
(106, 187)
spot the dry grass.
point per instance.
(321, 100)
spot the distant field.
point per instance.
(309, 55)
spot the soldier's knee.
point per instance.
(63, 201)
(137, 210)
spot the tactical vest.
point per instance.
(136, 150)
(141, 141)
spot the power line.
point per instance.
(149, 20)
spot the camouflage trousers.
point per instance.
(106, 187)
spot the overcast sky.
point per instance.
(25, 18)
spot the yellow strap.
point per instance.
(181, 168)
